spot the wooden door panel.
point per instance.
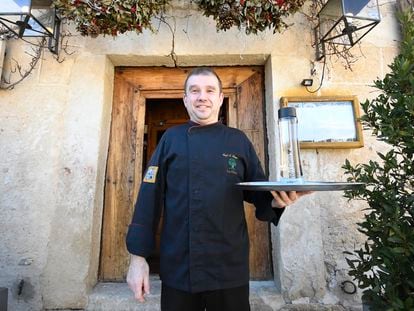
(251, 121)
(137, 142)
(119, 185)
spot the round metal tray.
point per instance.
(303, 186)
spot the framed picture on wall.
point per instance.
(327, 122)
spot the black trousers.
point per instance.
(229, 299)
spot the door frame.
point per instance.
(134, 90)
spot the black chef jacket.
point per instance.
(192, 175)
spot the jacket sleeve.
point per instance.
(148, 206)
(262, 200)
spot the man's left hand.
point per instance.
(282, 199)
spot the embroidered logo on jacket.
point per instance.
(151, 174)
(231, 163)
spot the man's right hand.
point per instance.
(138, 277)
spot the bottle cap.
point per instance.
(287, 112)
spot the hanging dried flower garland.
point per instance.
(253, 16)
(114, 17)
(110, 17)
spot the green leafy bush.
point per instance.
(384, 267)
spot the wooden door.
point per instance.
(243, 89)
(251, 120)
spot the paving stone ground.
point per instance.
(263, 297)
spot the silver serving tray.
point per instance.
(304, 186)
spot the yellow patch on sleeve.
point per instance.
(151, 174)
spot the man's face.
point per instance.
(203, 99)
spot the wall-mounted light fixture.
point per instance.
(307, 82)
(31, 18)
(345, 22)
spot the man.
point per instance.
(193, 175)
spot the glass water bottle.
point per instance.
(290, 165)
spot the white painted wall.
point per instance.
(54, 132)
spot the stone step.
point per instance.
(117, 296)
(263, 297)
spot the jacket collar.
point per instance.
(192, 124)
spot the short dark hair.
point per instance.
(202, 71)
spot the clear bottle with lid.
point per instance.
(290, 165)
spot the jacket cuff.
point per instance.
(277, 214)
(138, 242)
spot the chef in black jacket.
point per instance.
(204, 255)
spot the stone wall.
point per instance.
(54, 132)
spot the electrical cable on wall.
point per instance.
(322, 77)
